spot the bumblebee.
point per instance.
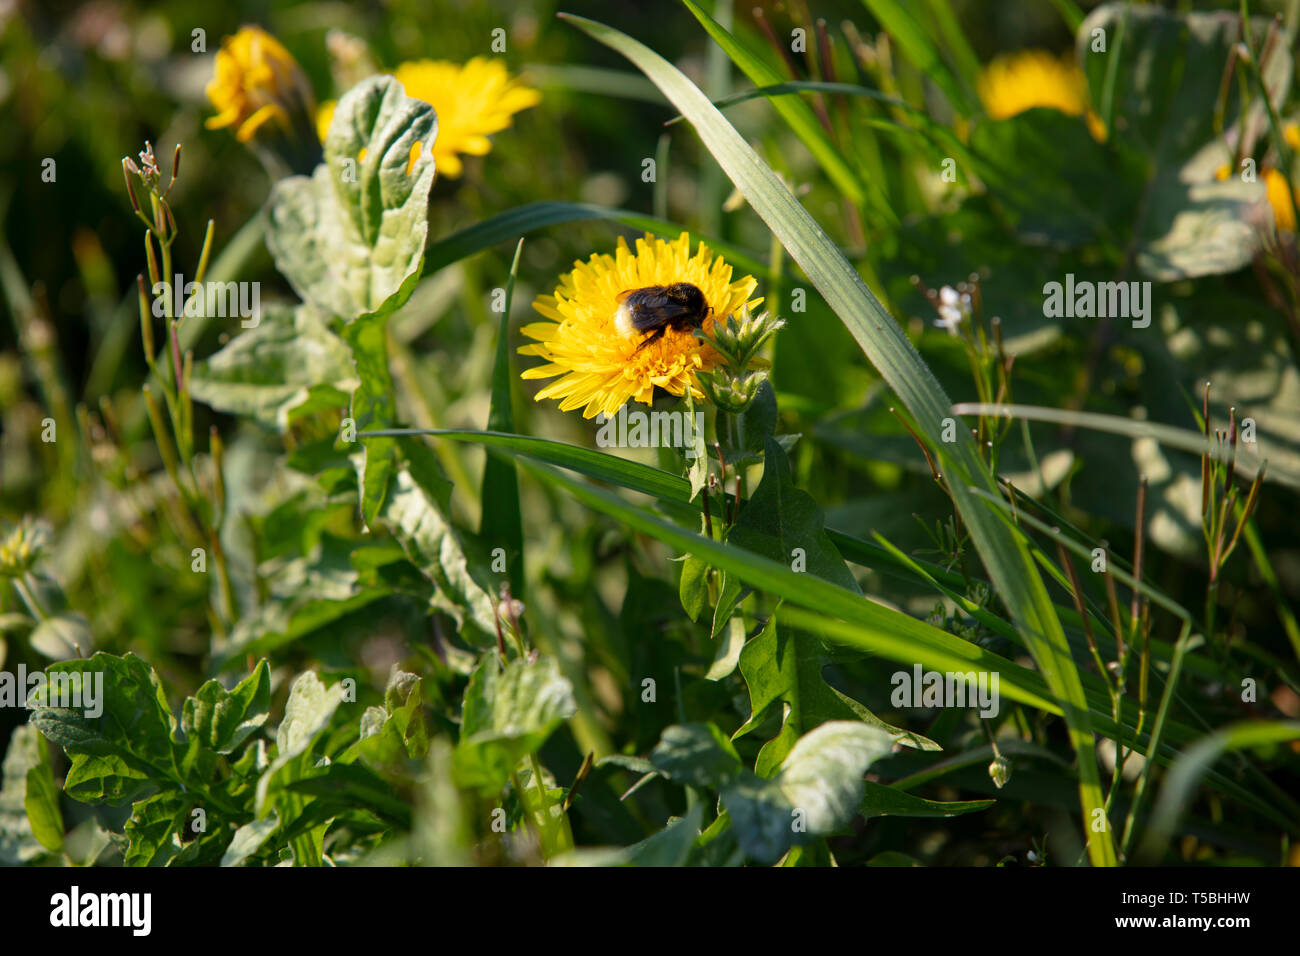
(658, 308)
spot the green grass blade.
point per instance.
(1070, 13)
(912, 38)
(1248, 463)
(966, 63)
(670, 489)
(598, 80)
(673, 492)
(904, 637)
(513, 223)
(1010, 565)
(799, 116)
(1182, 779)
(501, 524)
(938, 134)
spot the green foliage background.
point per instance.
(772, 689)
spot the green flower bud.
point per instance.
(738, 342)
(1000, 771)
(21, 546)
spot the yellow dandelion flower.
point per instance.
(325, 116)
(1279, 197)
(1291, 133)
(257, 81)
(471, 101)
(600, 369)
(1015, 82)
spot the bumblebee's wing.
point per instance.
(645, 318)
(649, 312)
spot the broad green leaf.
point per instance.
(670, 846)
(111, 778)
(816, 792)
(508, 713)
(694, 587)
(444, 833)
(1199, 225)
(250, 838)
(373, 407)
(783, 665)
(154, 830)
(1105, 182)
(1164, 87)
(434, 547)
(307, 714)
(61, 636)
(881, 801)
(729, 642)
(405, 702)
(42, 804)
(345, 786)
(221, 720)
(307, 592)
(268, 371)
(18, 844)
(697, 755)
(1010, 565)
(781, 522)
(350, 239)
(116, 754)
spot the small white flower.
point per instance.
(952, 308)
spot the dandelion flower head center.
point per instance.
(598, 367)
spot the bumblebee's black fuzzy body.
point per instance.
(657, 308)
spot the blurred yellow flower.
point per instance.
(325, 116)
(1291, 133)
(471, 101)
(601, 367)
(256, 81)
(1279, 197)
(1015, 82)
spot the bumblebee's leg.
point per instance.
(657, 333)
